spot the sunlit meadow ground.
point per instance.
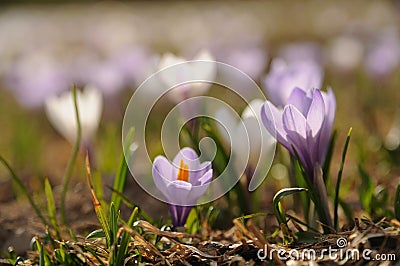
(36, 151)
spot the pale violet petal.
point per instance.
(179, 192)
(271, 117)
(299, 99)
(316, 113)
(293, 120)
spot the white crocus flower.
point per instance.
(61, 113)
(261, 147)
(187, 72)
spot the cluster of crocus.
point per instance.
(182, 182)
(304, 126)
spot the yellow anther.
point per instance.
(183, 172)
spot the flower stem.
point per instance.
(314, 190)
(71, 163)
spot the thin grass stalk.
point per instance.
(120, 178)
(339, 179)
(71, 163)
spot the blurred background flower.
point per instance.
(60, 111)
(258, 155)
(285, 76)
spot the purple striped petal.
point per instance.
(316, 113)
(299, 99)
(178, 192)
(179, 214)
(271, 117)
(294, 120)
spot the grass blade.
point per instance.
(123, 248)
(120, 179)
(113, 223)
(51, 206)
(339, 179)
(113, 216)
(43, 257)
(279, 213)
(366, 189)
(71, 163)
(328, 158)
(99, 233)
(97, 206)
(21, 185)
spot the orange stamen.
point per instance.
(183, 172)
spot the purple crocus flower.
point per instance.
(305, 123)
(284, 77)
(182, 182)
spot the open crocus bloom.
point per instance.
(305, 123)
(284, 77)
(61, 113)
(182, 182)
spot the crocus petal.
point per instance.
(297, 131)
(205, 167)
(179, 214)
(293, 120)
(189, 157)
(178, 192)
(161, 171)
(206, 178)
(198, 191)
(299, 99)
(316, 113)
(196, 177)
(163, 167)
(61, 113)
(302, 147)
(330, 110)
(196, 170)
(271, 117)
